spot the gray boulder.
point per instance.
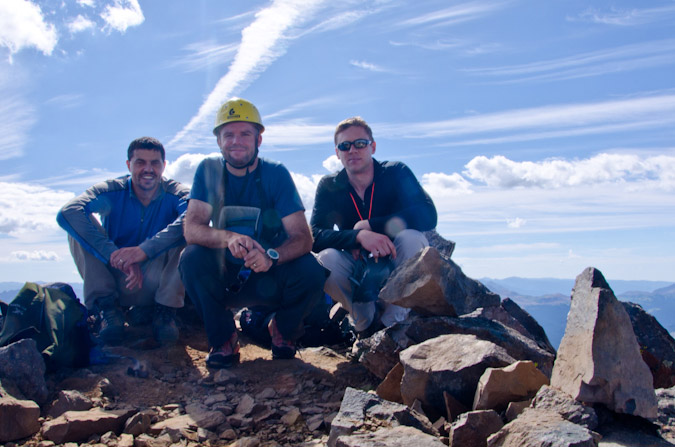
(548, 398)
(359, 410)
(22, 371)
(599, 359)
(400, 436)
(473, 428)
(656, 345)
(449, 363)
(78, 426)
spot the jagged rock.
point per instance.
(125, 440)
(515, 408)
(18, 418)
(245, 406)
(548, 398)
(291, 416)
(533, 327)
(542, 428)
(432, 285)
(390, 388)
(472, 429)
(248, 441)
(418, 284)
(401, 436)
(656, 345)
(666, 413)
(498, 313)
(148, 441)
(224, 376)
(78, 426)
(138, 423)
(204, 417)
(517, 346)
(499, 386)
(22, 371)
(176, 423)
(70, 400)
(379, 353)
(359, 409)
(451, 363)
(444, 246)
(599, 359)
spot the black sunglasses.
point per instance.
(358, 144)
(243, 276)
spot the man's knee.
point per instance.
(329, 257)
(314, 274)
(191, 259)
(409, 242)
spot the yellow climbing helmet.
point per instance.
(237, 109)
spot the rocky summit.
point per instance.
(466, 368)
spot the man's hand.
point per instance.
(377, 244)
(362, 225)
(126, 256)
(257, 260)
(134, 277)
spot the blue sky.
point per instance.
(544, 131)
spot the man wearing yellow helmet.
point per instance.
(248, 240)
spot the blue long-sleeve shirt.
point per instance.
(127, 223)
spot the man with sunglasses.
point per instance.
(366, 212)
(248, 241)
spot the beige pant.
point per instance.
(161, 280)
(341, 265)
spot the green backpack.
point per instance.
(52, 316)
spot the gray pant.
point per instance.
(341, 265)
(161, 280)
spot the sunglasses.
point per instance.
(243, 276)
(358, 144)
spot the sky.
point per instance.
(543, 131)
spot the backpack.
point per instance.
(52, 316)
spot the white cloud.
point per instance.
(36, 255)
(22, 25)
(66, 101)
(441, 184)
(183, 169)
(515, 223)
(332, 163)
(27, 208)
(79, 24)
(262, 42)
(628, 17)
(89, 3)
(307, 189)
(204, 54)
(369, 66)
(456, 14)
(500, 172)
(123, 15)
(16, 119)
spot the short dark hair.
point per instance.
(145, 143)
(353, 121)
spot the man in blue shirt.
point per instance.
(248, 241)
(130, 258)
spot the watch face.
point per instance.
(272, 253)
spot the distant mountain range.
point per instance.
(546, 299)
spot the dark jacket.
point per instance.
(398, 202)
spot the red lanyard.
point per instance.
(370, 211)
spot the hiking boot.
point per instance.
(140, 316)
(164, 326)
(225, 356)
(281, 347)
(112, 323)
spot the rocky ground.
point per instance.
(286, 402)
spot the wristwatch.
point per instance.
(273, 255)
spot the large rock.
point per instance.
(360, 409)
(18, 418)
(542, 428)
(433, 285)
(656, 345)
(400, 436)
(78, 426)
(499, 386)
(473, 428)
(449, 363)
(70, 400)
(548, 398)
(666, 416)
(22, 371)
(379, 353)
(518, 346)
(599, 359)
